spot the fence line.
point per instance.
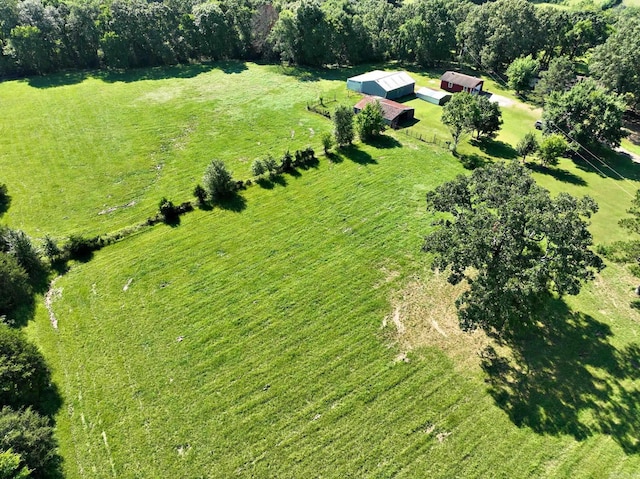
(431, 139)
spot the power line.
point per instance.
(499, 80)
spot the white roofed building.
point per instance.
(383, 84)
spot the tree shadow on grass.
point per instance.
(172, 221)
(560, 175)
(384, 142)
(310, 74)
(355, 154)
(5, 201)
(612, 164)
(57, 79)
(472, 161)
(561, 376)
(234, 202)
(269, 182)
(334, 157)
(495, 148)
(153, 73)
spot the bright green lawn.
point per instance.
(283, 368)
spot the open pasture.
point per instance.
(279, 338)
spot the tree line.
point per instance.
(41, 36)
(28, 398)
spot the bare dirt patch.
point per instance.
(114, 208)
(424, 315)
(53, 294)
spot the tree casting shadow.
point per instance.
(564, 377)
(560, 175)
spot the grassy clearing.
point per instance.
(254, 343)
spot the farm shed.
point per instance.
(436, 97)
(383, 84)
(393, 112)
(455, 82)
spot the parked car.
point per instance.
(539, 124)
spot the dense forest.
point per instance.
(42, 36)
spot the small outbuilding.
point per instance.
(437, 97)
(383, 84)
(393, 112)
(456, 82)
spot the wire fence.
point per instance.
(431, 138)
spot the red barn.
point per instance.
(455, 82)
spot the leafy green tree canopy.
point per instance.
(527, 145)
(457, 115)
(217, 180)
(466, 113)
(370, 121)
(343, 125)
(551, 148)
(557, 77)
(588, 113)
(15, 290)
(30, 435)
(487, 117)
(11, 466)
(511, 242)
(521, 72)
(24, 375)
(615, 62)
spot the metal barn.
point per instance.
(383, 84)
(433, 96)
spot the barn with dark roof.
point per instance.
(393, 112)
(456, 82)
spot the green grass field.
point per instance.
(263, 341)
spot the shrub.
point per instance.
(200, 194)
(15, 289)
(80, 248)
(271, 165)
(258, 168)
(30, 435)
(168, 210)
(18, 244)
(327, 142)
(286, 163)
(218, 181)
(51, 249)
(24, 375)
(11, 466)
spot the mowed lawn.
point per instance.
(261, 341)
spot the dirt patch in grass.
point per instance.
(424, 315)
(53, 294)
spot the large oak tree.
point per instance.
(511, 242)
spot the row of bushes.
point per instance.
(288, 163)
(219, 182)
